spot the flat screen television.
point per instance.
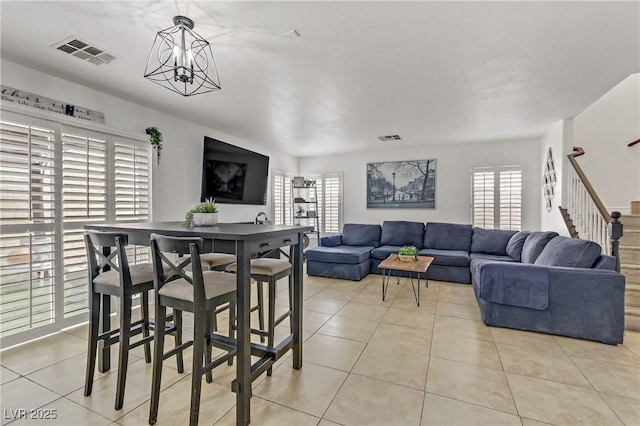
(233, 175)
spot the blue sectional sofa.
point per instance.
(535, 281)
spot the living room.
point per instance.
(544, 88)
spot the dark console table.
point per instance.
(247, 240)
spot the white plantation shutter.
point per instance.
(27, 293)
(75, 298)
(27, 214)
(483, 191)
(510, 198)
(132, 194)
(84, 200)
(53, 181)
(332, 194)
(27, 180)
(133, 191)
(84, 179)
(281, 196)
(497, 197)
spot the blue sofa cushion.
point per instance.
(513, 284)
(447, 236)
(447, 257)
(494, 257)
(515, 244)
(331, 241)
(491, 241)
(570, 252)
(534, 244)
(605, 262)
(355, 234)
(402, 233)
(383, 252)
(339, 254)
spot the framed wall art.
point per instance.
(402, 184)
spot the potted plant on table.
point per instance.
(407, 253)
(204, 214)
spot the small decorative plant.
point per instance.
(408, 251)
(300, 211)
(155, 139)
(207, 206)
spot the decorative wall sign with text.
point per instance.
(21, 97)
(549, 179)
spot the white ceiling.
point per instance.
(433, 72)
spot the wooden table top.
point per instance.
(420, 264)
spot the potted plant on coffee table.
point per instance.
(204, 214)
(407, 253)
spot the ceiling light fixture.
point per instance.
(182, 61)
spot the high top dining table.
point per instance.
(249, 239)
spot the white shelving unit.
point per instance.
(304, 195)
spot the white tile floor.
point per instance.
(366, 362)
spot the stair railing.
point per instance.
(589, 215)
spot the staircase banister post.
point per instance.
(615, 231)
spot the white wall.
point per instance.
(603, 130)
(559, 140)
(453, 179)
(176, 181)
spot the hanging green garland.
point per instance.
(155, 138)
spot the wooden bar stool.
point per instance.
(197, 291)
(110, 278)
(268, 270)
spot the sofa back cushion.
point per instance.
(534, 244)
(447, 236)
(355, 234)
(402, 233)
(570, 252)
(515, 244)
(490, 241)
(605, 262)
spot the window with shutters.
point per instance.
(329, 189)
(54, 179)
(27, 218)
(496, 194)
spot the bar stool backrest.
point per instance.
(166, 270)
(96, 242)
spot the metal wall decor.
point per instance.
(401, 184)
(549, 179)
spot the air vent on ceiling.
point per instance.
(390, 138)
(84, 50)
